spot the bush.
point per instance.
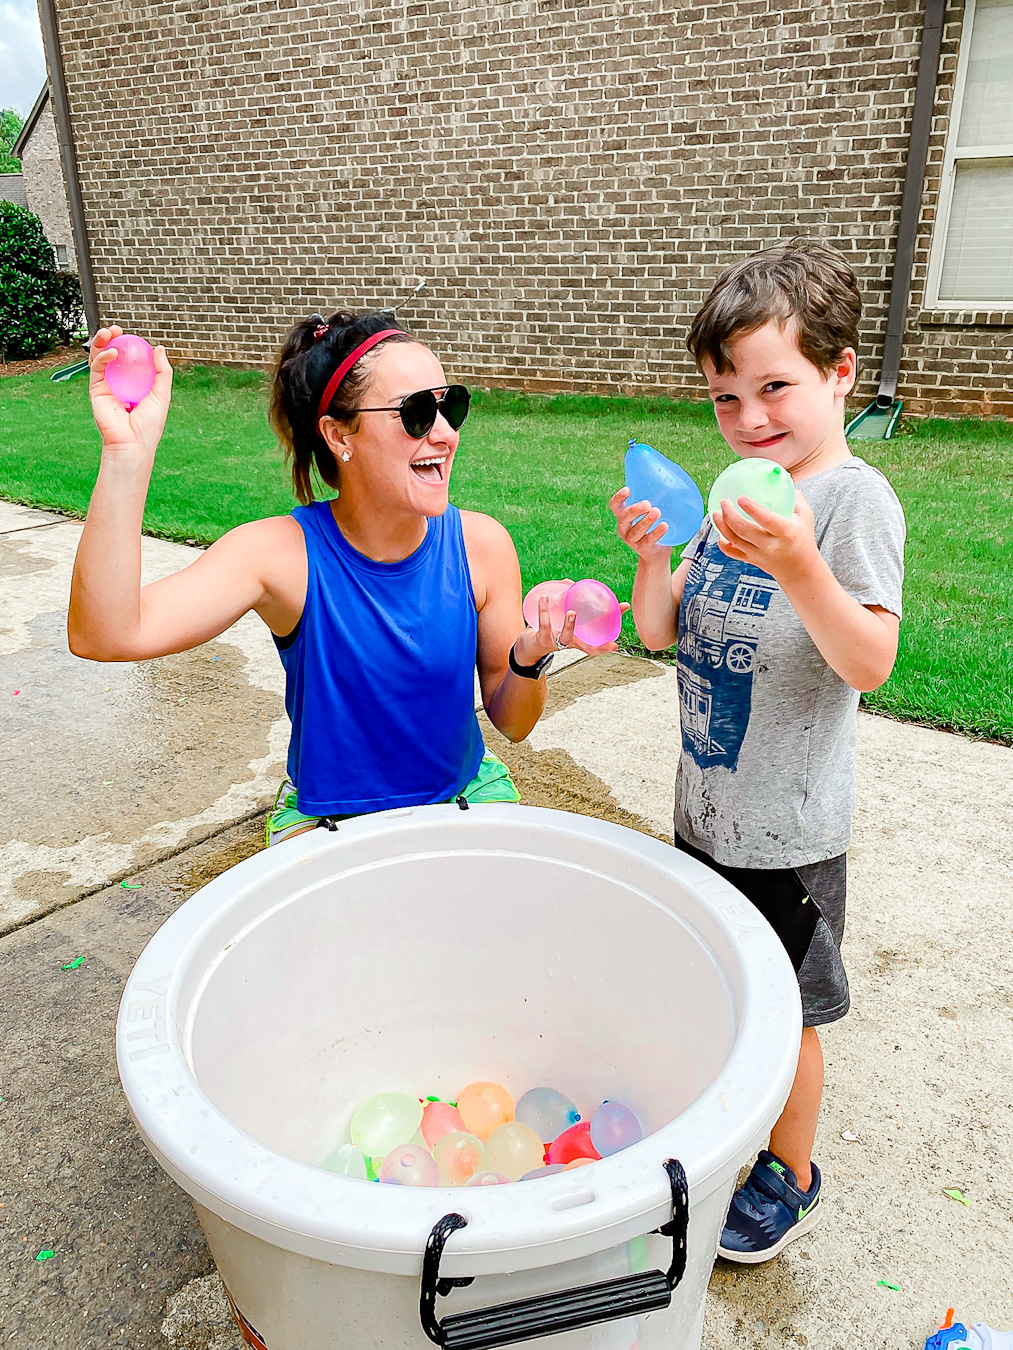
(69, 306)
(28, 282)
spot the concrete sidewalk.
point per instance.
(160, 772)
(111, 766)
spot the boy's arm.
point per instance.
(657, 595)
(858, 642)
(657, 590)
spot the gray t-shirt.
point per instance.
(766, 774)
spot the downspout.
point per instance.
(914, 181)
(68, 156)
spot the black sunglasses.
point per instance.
(419, 411)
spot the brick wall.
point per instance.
(44, 185)
(569, 177)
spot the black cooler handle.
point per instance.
(549, 1314)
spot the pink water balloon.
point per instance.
(131, 372)
(438, 1119)
(599, 617)
(489, 1179)
(555, 590)
(409, 1165)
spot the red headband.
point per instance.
(348, 363)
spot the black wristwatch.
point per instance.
(534, 672)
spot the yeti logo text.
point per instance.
(150, 1010)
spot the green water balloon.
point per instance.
(767, 483)
(384, 1121)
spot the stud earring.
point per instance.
(346, 456)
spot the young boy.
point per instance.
(780, 624)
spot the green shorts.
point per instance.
(492, 783)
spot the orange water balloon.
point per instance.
(484, 1107)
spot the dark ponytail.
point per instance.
(305, 364)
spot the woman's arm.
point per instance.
(513, 702)
(111, 617)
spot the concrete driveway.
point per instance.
(157, 775)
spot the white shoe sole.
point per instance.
(798, 1230)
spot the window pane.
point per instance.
(988, 94)
(978, 262)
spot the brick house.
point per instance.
(569, 177)
(44, 189)
(12, 189)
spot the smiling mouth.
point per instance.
(770, 440)
(429, 470)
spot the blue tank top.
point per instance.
(379, 672)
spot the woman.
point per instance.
(381, 600)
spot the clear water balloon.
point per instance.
(484, 1106)
(409, 1165)
(555, 590)
(653, 478)
(547, 1111)
(514, 1149)
(573, 1143)
(613, 1127)
(131, 372)
(489, 1179)
(599, 617)
(768, 484)
(438, 1119)
(346, 1161)
(458, 1157)
(384, 1121)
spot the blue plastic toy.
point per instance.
(955, 1336)
(652, 478)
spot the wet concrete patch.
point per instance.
(124, 744)
(111, 765)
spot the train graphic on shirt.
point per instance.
(723, 607)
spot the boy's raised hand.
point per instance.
(142, 427)
(785, 549)
(644, 536)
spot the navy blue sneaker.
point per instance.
(768, 1212)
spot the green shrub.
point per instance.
(69, 306)
(28, 285)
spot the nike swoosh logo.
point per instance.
(804, 1210)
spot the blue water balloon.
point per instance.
(548, 1112)
(614, 1127)
(652, 478)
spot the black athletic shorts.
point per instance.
(805, 907)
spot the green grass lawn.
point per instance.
(545, 467)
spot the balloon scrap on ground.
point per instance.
(767, 483)
(652, 477)
(131, 372)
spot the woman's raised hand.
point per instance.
(142, 427)
(639, 526)
(535, 643)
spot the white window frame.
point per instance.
(953, 155)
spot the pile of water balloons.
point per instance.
(482, 1139)
(131, 372)
(599, 617)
